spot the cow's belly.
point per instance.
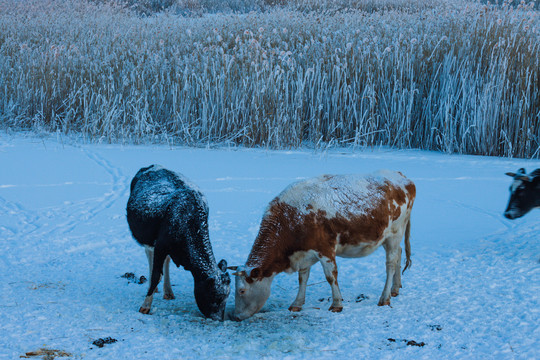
(357, 250)
(302, 260)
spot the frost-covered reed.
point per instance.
(457, 77)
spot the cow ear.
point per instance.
(255, 273)
(526, 178)
(522, 171)
(222, 265)
(511, 174)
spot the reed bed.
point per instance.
(456, 77)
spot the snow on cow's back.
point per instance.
(153, 187)
(157, 169)
(353, 194)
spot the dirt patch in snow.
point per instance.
(133, 279)
(102, 342)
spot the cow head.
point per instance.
(524, 193)
(211, 293)
(252, 291)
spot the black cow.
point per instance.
(169, 217)
(524, 193)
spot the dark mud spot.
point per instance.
(361, 298)
(133, 279)
(408, 342)
(129, 276)
(101, 342)
(435, 327)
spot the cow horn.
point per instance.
(525, 178)
(239, 273)
(232, 267)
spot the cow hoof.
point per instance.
(335, 308)
(143, 310)
(168, 296)
(384, 302)
(295, 308)
(394, 293)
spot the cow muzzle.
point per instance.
(511, 214)
(218, 316)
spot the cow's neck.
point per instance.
(267, 252)
(201, 261)
(203, 272)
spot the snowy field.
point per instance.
(473, 290)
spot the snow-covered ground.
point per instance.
(473, 290)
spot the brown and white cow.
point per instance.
(316, 220)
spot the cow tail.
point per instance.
(407, 246)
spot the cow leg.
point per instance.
(149, 250)
(392, 255)
(303, 276)
(167, 289)
(330, 272)
(157, 268)
(396, 285)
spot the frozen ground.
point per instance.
(473, 290)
